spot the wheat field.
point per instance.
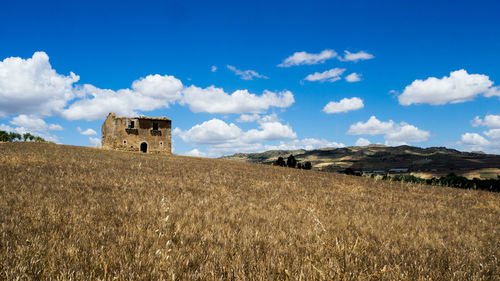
(73, 213)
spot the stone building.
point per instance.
(146, 134)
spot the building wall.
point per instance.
(117, 135)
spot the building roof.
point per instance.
(153, 118)
(140, 117)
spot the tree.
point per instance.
(291, 162)
(307, 165)
(4, 136)
(39, 139)
(300, 166)
(13, 136)
(280, 162)
(349, 171)
(26, 136)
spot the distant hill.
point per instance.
(432, 161)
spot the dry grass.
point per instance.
(79, 213)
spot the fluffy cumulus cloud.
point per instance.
(362, 142)
(394, 134)
(371, 127)
(344, 105)
(32, 86)
(473, 139)
(493, 134)
(331, 75)
(362, 55)
(149, 93)
(353, 77)
(195, 152)
(88, 132)
(301, 58)
(477, 142)
(215, 100)
(34, 125)
(216, 131)
(246, 74)
(246, 118)
(459, 87)
(490, 121)
(95, 141)
(222, 137)
(210, 132)
(403, 133)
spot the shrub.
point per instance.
(291, 162)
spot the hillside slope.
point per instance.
(433, 161)
(81, 213)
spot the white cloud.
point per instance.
(456, 88)
(473, 139)
(301, 58)
(32, 86)
(215, 100)
(362, 142)
(246, 74)
(307, 144)
(371, 127)
(167, 88)
(331, 75)
(362, 55)
(353, 77)
(87, 132)
(476, 142)
(195, 152)
(394, 134)
(343, 105)
(225, 138)
(34, 124)
(210, 132)
(213, 68)
(490, 121)
(95, 141)
(493, 134)
(246, 118)
(150, 93)
(492, 92)
(216, 131)
(403, 133)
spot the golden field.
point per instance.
(85, 214)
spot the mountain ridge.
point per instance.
(431, 161)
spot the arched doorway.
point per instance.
(144, 147)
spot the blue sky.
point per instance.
(258, 75)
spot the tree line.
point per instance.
(11, 137)
(450, 180)
(291, 162)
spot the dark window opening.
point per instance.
(155, 126)
(144, 147)
(131, 124)
(125, 142)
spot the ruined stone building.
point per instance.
(146, 134)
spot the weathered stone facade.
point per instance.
(146, 134)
